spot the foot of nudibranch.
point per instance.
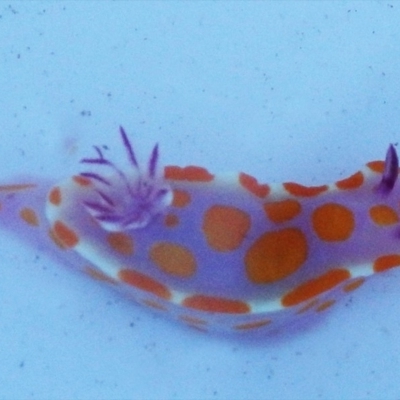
(390, 173)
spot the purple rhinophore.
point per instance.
(390, 173)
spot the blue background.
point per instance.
(305, 91)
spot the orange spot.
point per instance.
(199, 328)
(216, 304)
(171, 220)
(154, 304)
(333, 222)
(121, 243)
(251, 184)
(56, 240)
(376, 166)
(189, 173)
(352, 182)
(192, 320)
(276, 255)
(98, 275)
(55, 196)
(173, 172)
(181, 198)
(386, 262)
(383, 215)
(16, 187)
(282, 211)
(225, 227)
(144, 282)
(66, 235)
(324, 305)
(314, 287)
(304, 191)
(253, 325)
(173, 259)
(353, 285)
(81, 180)
(29, 216)
(309, 305)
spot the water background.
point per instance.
(285, 90)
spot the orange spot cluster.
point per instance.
(121, 243)
(352, 182)
(251, 184)
(315, 287)
(225, 227)
(173, 259)
(317, 305)
(296, 189)
(144, 282)
(276, 255)
(29, 216)
(216, 304)
(190, 173)
(386, 262)
(333, 222)
(383, 215)
(282, 211)
(67, 236)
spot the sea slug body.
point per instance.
(218, 253)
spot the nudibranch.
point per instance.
(222, 253)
